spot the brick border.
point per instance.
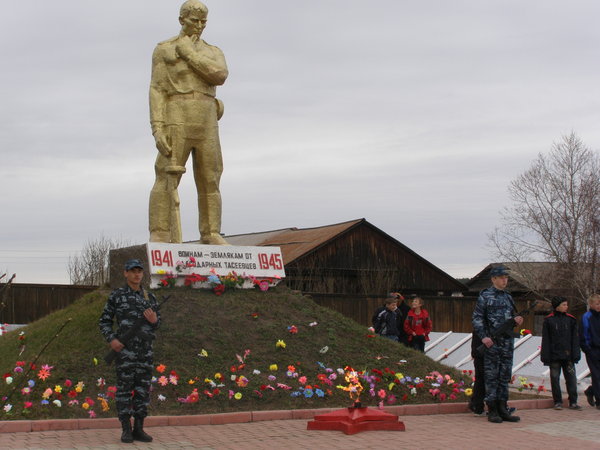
(19, 426)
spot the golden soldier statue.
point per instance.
(183, 114)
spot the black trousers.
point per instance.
(479, 385)
(568, 370)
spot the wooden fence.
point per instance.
(25, 303)
(447, 313)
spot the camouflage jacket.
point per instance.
(127, 305)
(493, 308)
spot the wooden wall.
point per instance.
(447, 313)
(26, 303)
(363, 261)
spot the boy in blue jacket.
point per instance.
(589, 338)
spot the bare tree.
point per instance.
(555, 217)
(90, 267)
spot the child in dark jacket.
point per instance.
(560, 350)
(388, 321)
(417, 325)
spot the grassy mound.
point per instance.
(216, 354)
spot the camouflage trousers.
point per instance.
(497, 363)
(133, 388)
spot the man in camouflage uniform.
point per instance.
(494, 307)
(134, 361)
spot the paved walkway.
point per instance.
(539, 428)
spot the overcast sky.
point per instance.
(412, 114)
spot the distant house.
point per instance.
(353, 257)
(535, 280)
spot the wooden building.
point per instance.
(352, 266)
(352, 257)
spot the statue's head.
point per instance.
(192, 17)
(191, 6)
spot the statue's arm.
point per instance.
(158, 101)
(208, 62)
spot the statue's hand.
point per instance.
(184, 47)
(162, 143)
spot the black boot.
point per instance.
(126, 436)
(504, 414)
(493, 413)
(138, 430)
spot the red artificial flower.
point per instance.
(20, 363)
(43, 374)
(72, 393)
(219, 289)
(161, 368)
(405, 397)
(216, 391)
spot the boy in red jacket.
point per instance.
(417, 325)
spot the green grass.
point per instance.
(224, 326)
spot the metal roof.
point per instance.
(294, 242)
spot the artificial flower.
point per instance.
(79, 386)
(57, 403)
(280, 344)
(47, 393)
(203, 353)
(85, 405)
(163, 381)
(273, 367)
(238, 395)
(43, 374)
(7, 407)
(92, 414)
(161, 368)
(293, 329)
(161, 397)
(468, 392)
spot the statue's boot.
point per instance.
(209, 207)
(159, 218)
